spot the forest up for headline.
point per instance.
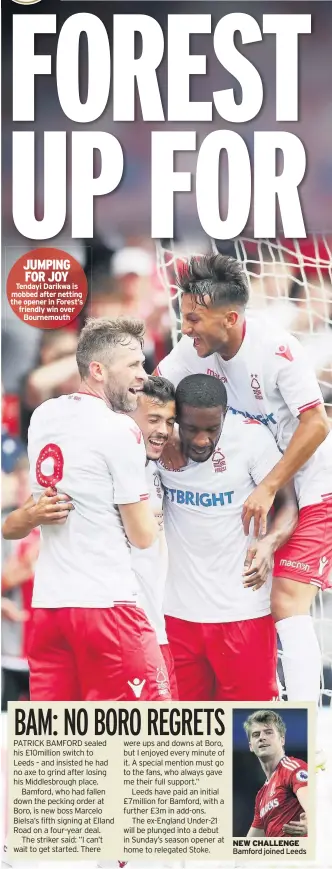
(122, 74)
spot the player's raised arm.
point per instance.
(51, 509)
(298, 387)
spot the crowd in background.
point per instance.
(40, 364)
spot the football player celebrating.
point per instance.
(280, 802)
(268, 378)
(155, 415)
(84, 581)
(222, 636)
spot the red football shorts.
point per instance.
(95, 654)
(230, 661)
(169, 661)
(307, 556)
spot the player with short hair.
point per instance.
(155, 415)
(221, 634)
(89, 640)
(280, 803)
(268, 378)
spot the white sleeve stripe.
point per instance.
(290, 764)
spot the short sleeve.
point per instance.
(257, 821)
(126, 459)
(296, 379)
(180, 362)
(262, 450)
(299, 777)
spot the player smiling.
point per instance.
(84, 580)
(221, 635)
(268, 377)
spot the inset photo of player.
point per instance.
(270, 773)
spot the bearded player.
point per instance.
(155, 416)
(282, 803)
(84, 581)
(217, 596)
(268, 377)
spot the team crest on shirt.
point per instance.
(218, 461)
(284, 352)
(256, 387)
(157, 484)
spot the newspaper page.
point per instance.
(149, 782)
(166, 600)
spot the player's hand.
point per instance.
(297, 828)
(256, 507)
(257, 564)
(10, 611)
(52, 508)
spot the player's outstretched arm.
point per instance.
(51, 509)
(140, 525)
(255, 833)
(259, 557)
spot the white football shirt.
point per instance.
(269, 379)
(150, 565)
(97, 457)
(205, 538)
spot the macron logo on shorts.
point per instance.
(137, 686)
(323, 562)
(298, 565)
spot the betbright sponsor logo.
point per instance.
(298, 565)
(269, 418)
(198, 499)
